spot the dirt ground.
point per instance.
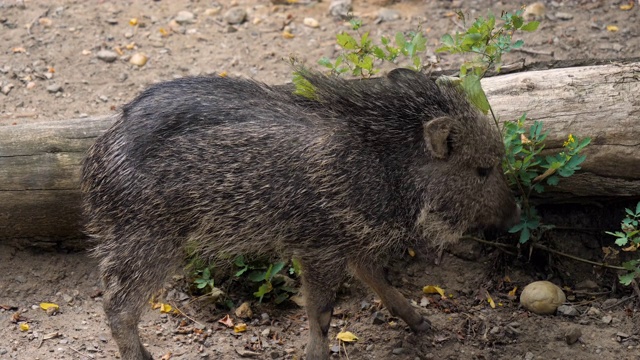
(50, 69)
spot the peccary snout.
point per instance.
(346, 179)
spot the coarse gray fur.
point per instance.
(232, 166)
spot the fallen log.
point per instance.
(40, 162)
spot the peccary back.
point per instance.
(231, 166)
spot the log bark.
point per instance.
(40, 162)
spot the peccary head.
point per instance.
(448, 152)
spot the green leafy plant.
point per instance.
(488, 43)
(529, 170)
(204, 280)
(628, 238)
(360, 53)
(272, 282)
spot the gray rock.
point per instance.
(378, 318)
(397, 351)
(567, 310)
(387, 15)
(235, 15)
(54, 88)
(529, 356)
(564, 16)
(609, 303)
(185, 17)
(340, 8)
(107, 55)
(607, 319)
(572, 335)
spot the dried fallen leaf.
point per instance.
(226, 321)
(24, 327)
(47, 306)
(223, 74)
(133, 21)
(242, 327)
(490, 301)
(19, 49)
(287, 35)
(130, 46)
(51, 70)
(7, 307)
(86, 52)
(46, 22)
(163, 32)
(346, 336)
(628, 6)
(612, 28)
(165, 308)
(412, 252)
(166, 356)
(513, 292)
(525, 140)
(430, 289)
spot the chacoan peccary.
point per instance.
(362, 170)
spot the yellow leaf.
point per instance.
(287, 35)
(46, 306)
(133, 21)
(223, 74)
(490, 301)
(240, 328)
(525, 140)
(226, 321)
(130, 46)
(633, 247)
(163, 32)
(346, 336)
(513, 292)
(430, 289)
(412, 252)
(506, 279)
(612, 28)
(24, 327)
(626, 7)
(165, 308)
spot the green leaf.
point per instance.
(473, 89)
(400, 40)
(379, 53)
(447, 40)
(326, 62)
(257, 276)
(530, 26)
(622, 241)
(346, 41)
(553, 180)
(277, 267)
(517, 21)
(525, 235)
(518, 44)
(628, 211)
(384, 40)
(626, 279)
(303, 88)
(517, 228)
(264, 289)
(281, 298)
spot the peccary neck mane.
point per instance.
(388, 111)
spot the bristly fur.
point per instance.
(230, 166)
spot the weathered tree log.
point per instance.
(40, 162)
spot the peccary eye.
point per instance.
(484, 171)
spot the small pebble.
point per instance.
(388, 15)
(107, 55)
(340, 8)
(572, 335)
(397, 351)
(185, 17)
(564, 16)
(138, 59)
(54, 88)
(311, 22)
(235, 15)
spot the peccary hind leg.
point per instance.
(320, 282)
(374, 276)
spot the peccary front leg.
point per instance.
(320, 282)
(374, 276)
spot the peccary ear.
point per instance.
(436, 136)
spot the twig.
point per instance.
(188, 317)
(623, 300)
(542, 247)
(81, 354)
(500, 246)
(535, 52)
(604, 265)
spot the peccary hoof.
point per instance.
(422, 327)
